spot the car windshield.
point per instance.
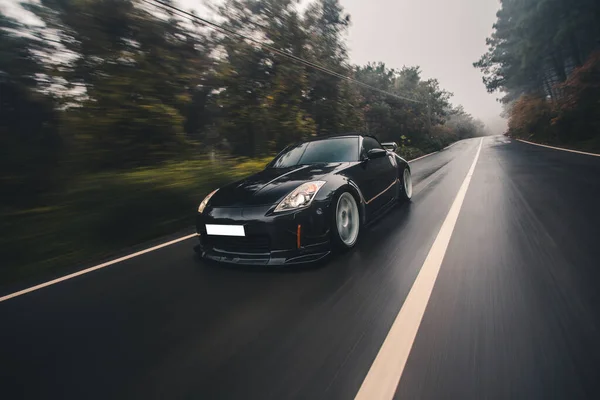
(320, 151)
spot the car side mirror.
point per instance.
(393, 146)
(376, 153)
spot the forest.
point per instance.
(118, 116)
(544, 59)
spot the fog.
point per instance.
(443, 37)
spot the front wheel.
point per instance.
(346, 221)
(406, 189)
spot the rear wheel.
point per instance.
(406, 188)
(346, 221)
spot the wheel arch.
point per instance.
(355, 191)
(401, 165)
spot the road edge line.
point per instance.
(450, 145)
(385, 373)
(94, 268)
(559, 148)
(426, 155)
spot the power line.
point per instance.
(188, 15)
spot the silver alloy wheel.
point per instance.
(407, 178)
(347, 219)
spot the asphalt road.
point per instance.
(514, 313)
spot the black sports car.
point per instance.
(313, 196)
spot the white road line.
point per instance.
(385, 373)
(560, 148)
(447, 147)
(426, 155)
(88, 270)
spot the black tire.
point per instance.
(346, 236)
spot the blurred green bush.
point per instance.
(99, 213)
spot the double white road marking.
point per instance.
(385, 373)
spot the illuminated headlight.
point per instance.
(301, 197)
(202, 205)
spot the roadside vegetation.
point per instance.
(101, 212)
(118, 116)
(544, 57)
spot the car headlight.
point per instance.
(300, 197)
(202, 205)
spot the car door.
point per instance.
(380, 176)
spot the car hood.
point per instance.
(270, 185)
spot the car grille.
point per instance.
(239, 245)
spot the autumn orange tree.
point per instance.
(530, 115)
(578, 107)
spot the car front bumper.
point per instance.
(270, 239)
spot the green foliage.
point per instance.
(135, 73)
(101, 212)
(536, 43)
(389, 117)
(30, 145)
(409, 153)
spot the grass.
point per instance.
(101, 213)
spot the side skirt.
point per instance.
(382, 212)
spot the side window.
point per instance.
(370, 143)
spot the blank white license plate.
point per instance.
(225, 230)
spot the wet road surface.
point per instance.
(514, 313)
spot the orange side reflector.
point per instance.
(298, 232)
